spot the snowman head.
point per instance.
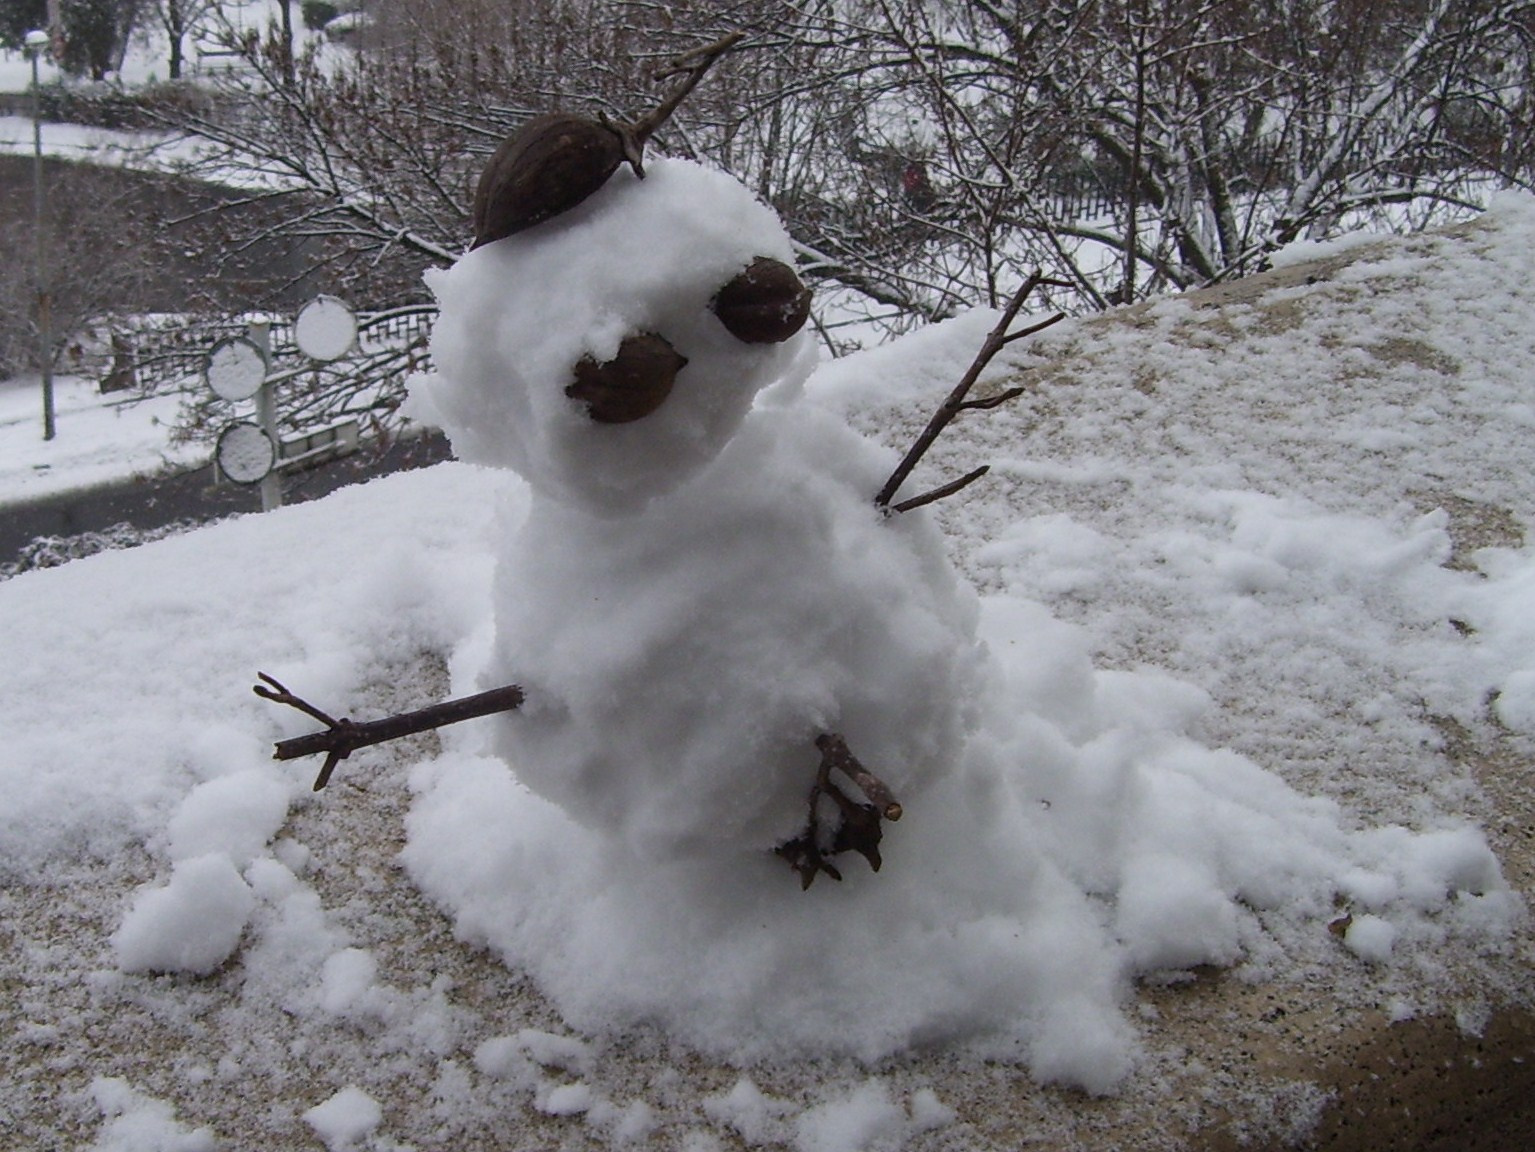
(611, 352)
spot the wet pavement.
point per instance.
(197, 495)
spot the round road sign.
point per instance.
(235, 368)
(325, 329)
(245, 453)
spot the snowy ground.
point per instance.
(145, 62)
(99, 440)
(146, 59)
(1277, 530)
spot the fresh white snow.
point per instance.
(1216, 622)
(101, 440)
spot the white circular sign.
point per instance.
(235, 368)
(245, 453)
(325, 329)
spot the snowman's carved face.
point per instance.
(765, 303)
(609, 353)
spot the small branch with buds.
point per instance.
(860, 829)
(958, 400)
(343, 737)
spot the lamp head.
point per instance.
(35, 41)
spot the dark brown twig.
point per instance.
(957, 402)
(270, 689)
(859, 830)
(698, 60)
(343, 737)
(692, 65)
(992, 401)
(940, 492)
(835, 754)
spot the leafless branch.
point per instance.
(859, 826)
(343, 737)
(944, 490)
(956, 402)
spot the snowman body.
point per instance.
(692, 598)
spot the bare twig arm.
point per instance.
(858, 829)
(343, 737)
(837, 754)
(996, 401)
(957, 402)
(943, 490)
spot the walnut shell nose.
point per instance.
(630, 386)
(766, 303)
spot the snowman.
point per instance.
(719, 642)
(704, 608)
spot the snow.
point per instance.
(325, 329)
(146, 62)
(346, 1118)
(135, 1123)
(1370, 938)
(192, 924)
(108, 147)
(245, 453)
(97, 442)
(236, 369)
(866, 1118)
(637, 257)
(1217, 573)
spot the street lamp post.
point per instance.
(35, 43)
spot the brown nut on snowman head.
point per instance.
(548, 166)
(555, 161)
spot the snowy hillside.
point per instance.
(1260, 607)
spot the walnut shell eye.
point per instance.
(765, 303)
(630, 386)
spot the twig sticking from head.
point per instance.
(957, 401)
(692, 66)
(696, 61)
(343, 737)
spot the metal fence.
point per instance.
(166, 353)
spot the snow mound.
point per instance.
(192, 924)
(680, 663)
(688, 600)
(1082, 839)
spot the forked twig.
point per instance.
(943, 490)
(836, 754)
(691, 65)
(996, 340)
(343, 737)
(859, 830)
(698, 60)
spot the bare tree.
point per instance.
(372, 162)
(926, 154)
(177, 19)
(1214, 132)
(99, 257)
